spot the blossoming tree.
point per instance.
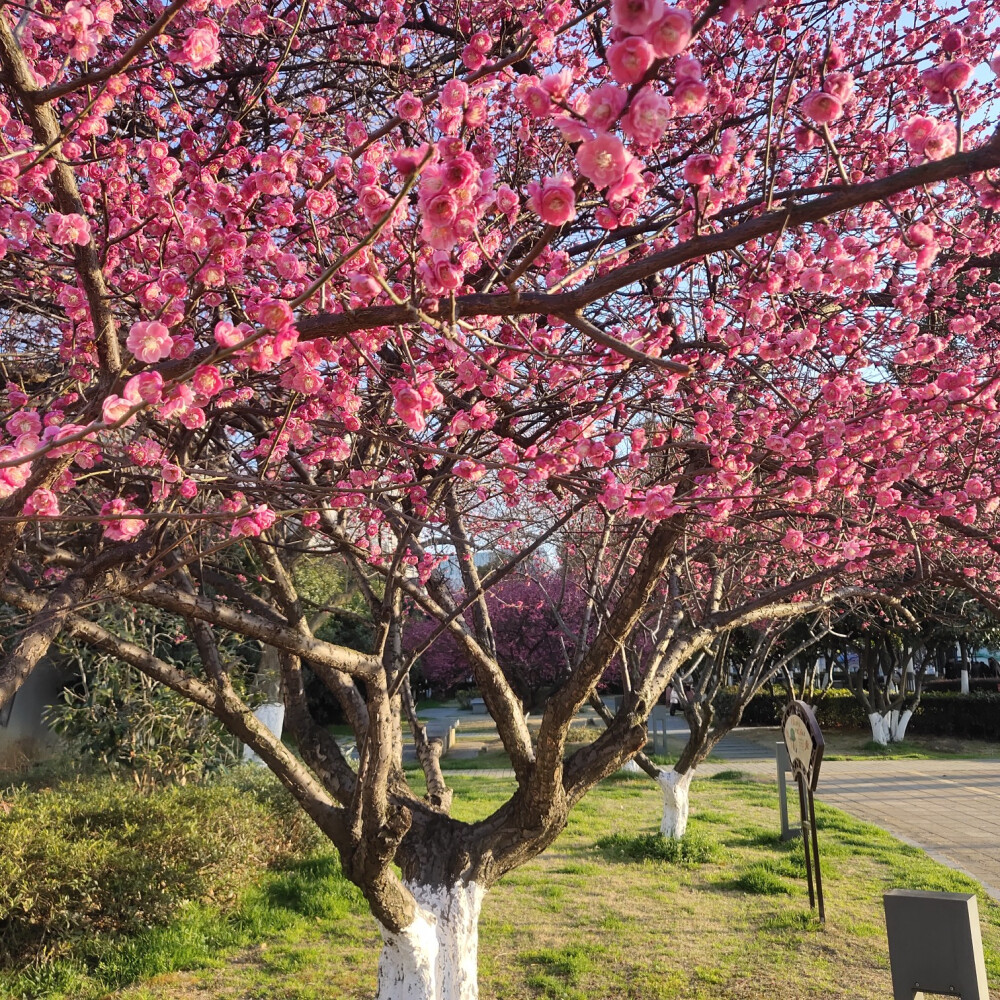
(397, 281)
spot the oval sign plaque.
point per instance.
(803, 741)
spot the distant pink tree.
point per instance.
(534, 621)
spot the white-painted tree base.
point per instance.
(631, 767)
(272, 714)
(437, 956)
(676, 802)
(891, 727)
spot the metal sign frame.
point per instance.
(804, 744)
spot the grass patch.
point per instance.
(570, 924)
(691, 849)
(761, 880)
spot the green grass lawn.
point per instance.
(607, 912)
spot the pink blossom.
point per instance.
(635, 16)
(821, 107)
(700, 168)
(67, 229)
(441, 209)
(604, 105)
(469, 470)
(558, 84)
(690, 97)
(150, 341)
(687, 68)
(275, 314)
(554, 200)
(440, 273)
(226, 335)
(507, 200)
(25, 422)
(146, 387)
(840, 85)
(259, 519)
(671, 34)
(115, 409)
(602, 159)
(917, 131)
(629, 60)
(538, 101)
(42, 503)
(188, 489)
(207, 380)
(454, 94)
(200, 49)
(407, 160)
(170, 473)
(939, 144)
(955, 75)
(622, 188)
(793, 540)
(409, 107)
(920, 234)
(118, 527)
(995, 65)
(647, 117)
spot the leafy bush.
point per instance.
(691, 849)
(97, 858)
(126, 721)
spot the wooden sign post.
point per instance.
(804, 744)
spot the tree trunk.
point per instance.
(880, 728)
(436, 956)
(900, 722)
(891, 727)
(676, 798)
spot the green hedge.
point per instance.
(95, 859)
(940, 713)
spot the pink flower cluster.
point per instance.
(605, 161)
(119, 525)
(251, 525)
(825, 106)
(67, 229)
(666, 31)
(453, 194)
(83, 25)
(944, 79)
(413, 403)
(929, 137)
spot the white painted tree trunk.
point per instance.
(676, 802)
(437, 956)
(902, 721)
(891, 727)
(272, 714)
(965, 682)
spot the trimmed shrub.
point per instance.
(940, 713)
(95, 857)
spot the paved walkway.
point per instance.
(950, 808)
